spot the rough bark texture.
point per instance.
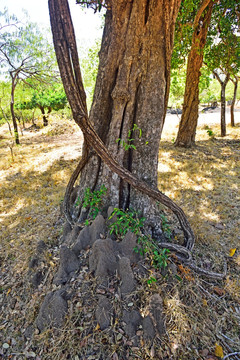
(223, 84)
(188, 124)
(235, 82)
(109, 260)
(66, 52)
(132, 88)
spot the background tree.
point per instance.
(89, 65)
(223, 48)
(188, 124)
(46, 99)
(234, 80)
(224, 61)
(24, 54)
(4, 104)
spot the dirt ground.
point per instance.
(202, 315)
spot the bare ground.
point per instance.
(202, 316)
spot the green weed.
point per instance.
(92, 200)
(128, 144)
(126, 220)
(129, 221)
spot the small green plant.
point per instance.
(92, 200)
(129, 221)
(128, 144)
(165, 226)
(209, 132)
(157, 256)
(125, 221)
(151, 280)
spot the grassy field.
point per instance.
(202, 316)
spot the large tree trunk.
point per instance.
(157, 57)
(14, 83)
(188, 124)
(235, 82)
(132, 88)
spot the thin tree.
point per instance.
(234, 80)
(188, 124)
(223, 60)
(24, 54)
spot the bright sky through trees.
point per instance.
(87, 24)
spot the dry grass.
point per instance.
(199, 313)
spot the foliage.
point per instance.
(183, 32)
(96, 5)
(177, 87)
(223, 41)
(157, 256)
(49, 97)
(89, 65)
(24, 54)
(210, 132)
(92, 200)
(5, 91)
(24, 51)
(165, 226)
(221, 49)
(128, 144)
(125, 221)
(129, 221)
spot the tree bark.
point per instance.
(235, 82)
(223, 84)
(132, 88)
(68, 61)
(45, 120)
(14, 83)
(223, 106)
(188, 124)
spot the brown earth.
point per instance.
(199, 313)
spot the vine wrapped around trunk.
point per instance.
(66, 52)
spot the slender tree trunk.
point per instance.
(223, 109)
(45, 120)
(188, 124)
(14, 83)
(223, 100)
(235, 82)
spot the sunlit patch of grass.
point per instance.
(33, 183)
(204, 181)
